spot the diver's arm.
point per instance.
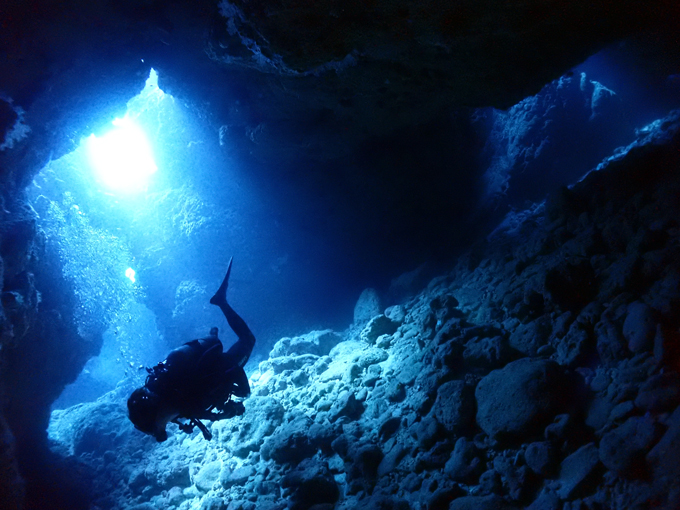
(241, 387)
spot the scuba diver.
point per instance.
(196, 381)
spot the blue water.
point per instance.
(297, 265)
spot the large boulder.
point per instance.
(520, 399)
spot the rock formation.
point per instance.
(541, 373)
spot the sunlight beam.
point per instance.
(122, 158)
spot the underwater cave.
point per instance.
(452, 229)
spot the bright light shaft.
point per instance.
(122, 158)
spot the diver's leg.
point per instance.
(240, 351)
(238, 354)
(221, 294)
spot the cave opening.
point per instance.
(123, 228)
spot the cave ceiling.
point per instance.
(296, 78)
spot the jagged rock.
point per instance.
(434, 458)
(263, 415)
(541, 458)
(389, 427)
(487, 352)
(207, 476)
(466, 462)
(515, 477)
(610, 342)
(283, 363)
(427, 431)
(395, 392)
(367, 307)
(572, 285)
(318, 343)
(579, 471)
(408, 371)
(491, 502)
(346, 405)
(445, 308)
(454, 407)
(528, 338)
(659, 393)
(450, 329)
(396, 313)
(212, 503)
(520, 399)
(372, 356)
(639, 327)
(235, 477)
(365, 463)
(383, 502)
(322, 435)
(546, 500)
(443, 497)
(290, 444)
(378, 326)
(391, 460)
(372, 376)
(623, 448)
(311, 483)
(577, 346)
(490, 482)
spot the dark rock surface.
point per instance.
(520, 399)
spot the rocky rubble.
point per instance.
(540, 373)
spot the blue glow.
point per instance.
(130, 273)
(122, 158)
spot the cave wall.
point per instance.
(66, 64)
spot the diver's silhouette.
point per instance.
(196, 381)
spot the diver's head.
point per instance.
(144, 410)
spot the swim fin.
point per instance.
(221, 294)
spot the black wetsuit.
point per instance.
(197, 380)
(198, 376)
